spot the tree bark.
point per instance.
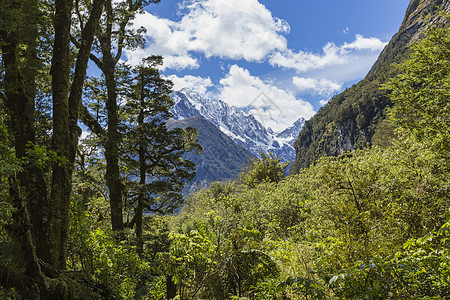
(19, 98)
(171, 288)
(84, 53)
(66, 110)
(40, 223)
(111, 144)
(142, 174)
(112, 147)
(58, 220)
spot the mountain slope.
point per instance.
(350, 119)
(243, 129)
(221, 158)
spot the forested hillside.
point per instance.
(91, 172)
(351, 119)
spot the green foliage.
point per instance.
(236, 260)
(360, 207)
(309, 288)
(427, 264)
(8, 167)
(204, 266)
(41, 157)
(421, 91)
(418, 271)
(117, 266)
(265, 169)
(190, 261)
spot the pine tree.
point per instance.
(154, 155)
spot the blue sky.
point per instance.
(277, 59)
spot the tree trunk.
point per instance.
(40, 223)
(113, 181)
(48, 217)
(111, 145)
(76, 90)
(139, 217)
(65, 117)
(171, 288)
(20, 103)
(142, 173)
(58, 220)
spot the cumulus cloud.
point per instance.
(331, 55)
(274, 107)
(362, 43)
(234, 29)
(305, 61)
(195, 83)
(318, 86)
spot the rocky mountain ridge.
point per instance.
(243, 129)
(353, 118)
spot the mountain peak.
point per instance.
(244, 129)
(293, 131)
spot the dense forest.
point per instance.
(91, 216)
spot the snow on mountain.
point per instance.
(242, 128)
(291, 133)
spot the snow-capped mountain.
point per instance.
(242, 128)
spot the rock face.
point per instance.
(221, 158)
(350, 119)
(244, 129)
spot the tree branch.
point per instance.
(81, 67)
(91, 122)
(92, 57)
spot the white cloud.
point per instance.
(274, 107)
(234, 29)
(304, 61)
(319, 86)
(331, 55)
(354, 69)
(362, 43)
(197, 84)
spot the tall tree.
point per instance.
(113, 36)
(66, 108)
(20, 70)
(44, 238)
(154, 154)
